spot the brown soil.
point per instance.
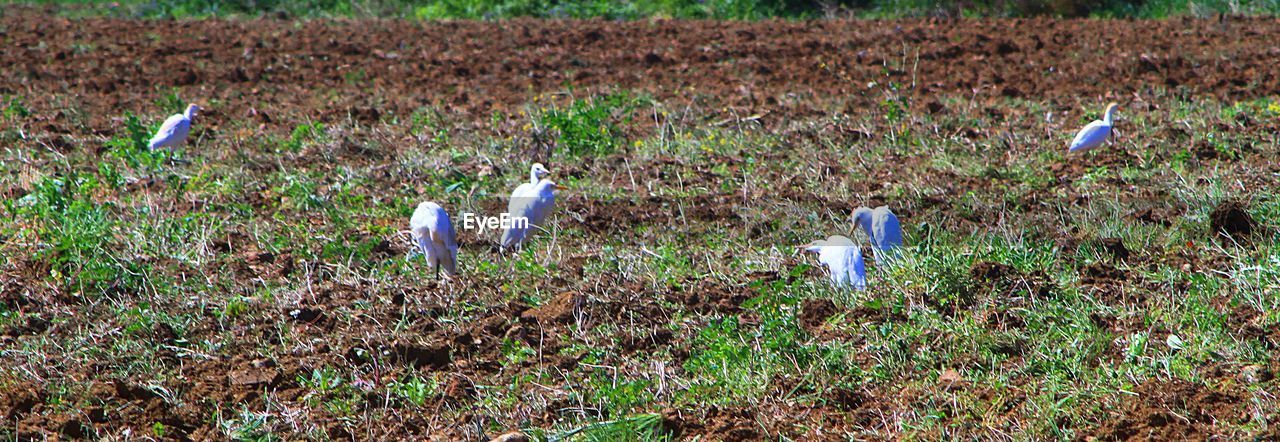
(815, 312)
(1175, 410)
(1231, 218)
(777, 69)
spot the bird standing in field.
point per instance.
(882, 226)
(843, 259)
(174, 130)
(528, 208)
(1095, 133)
(432, 230)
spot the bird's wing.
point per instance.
(173, 129)
(442, 230)
(833, 257)
(519, 198)
(540, 206)
(517, 208)
(537, 211)
(419, 223)
(444, 243)
(1091, 136)
(856, 268)
(889, 232)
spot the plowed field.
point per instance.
(258, 281)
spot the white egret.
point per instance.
(174, 130)
(536, 173)
(882, 226)
(432, 230)
(528, 208)
(1095, 133)
(843, 259)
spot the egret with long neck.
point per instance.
(1095, 133)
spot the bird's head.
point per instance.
(192, 109)
(862, 218)
(538, 171)
(814, 246)
(1111, 109)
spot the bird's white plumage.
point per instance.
(433, 232)
(175, 129)
(1094, 133)
(884, 229)
(533, 204)
(843, 259)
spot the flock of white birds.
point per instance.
(534, 201)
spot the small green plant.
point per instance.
(14, 109)
(589, 126)
(415, 390)
(248, 426)
(236, 306)
(304, 134)
(516, 352)
(354, 78)
(77, 234)
(645, 427)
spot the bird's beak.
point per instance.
(559, 187)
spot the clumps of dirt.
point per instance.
(1174, 410)
(1114, 247)
(18, 402)
(459, 390)
(726, 424)
(562, 309)
(987, 271)
(1101, 273)
(814, 313)
(847, 399)
(1232, 220)
(1006, 280)
(253, 377)
(433, 356)
(709, 297)
(1156, 216)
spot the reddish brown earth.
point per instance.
(777, 69)
(276, 71)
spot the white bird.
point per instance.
(843, 259)
(536, 173)
(432, 230)
(174, 130)
(1095, 133)
(882, 226)
(528, 208)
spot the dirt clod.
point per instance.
(814, 313)
(435, 356)
(1231, 218)
(1114, 247)
(560, 309)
